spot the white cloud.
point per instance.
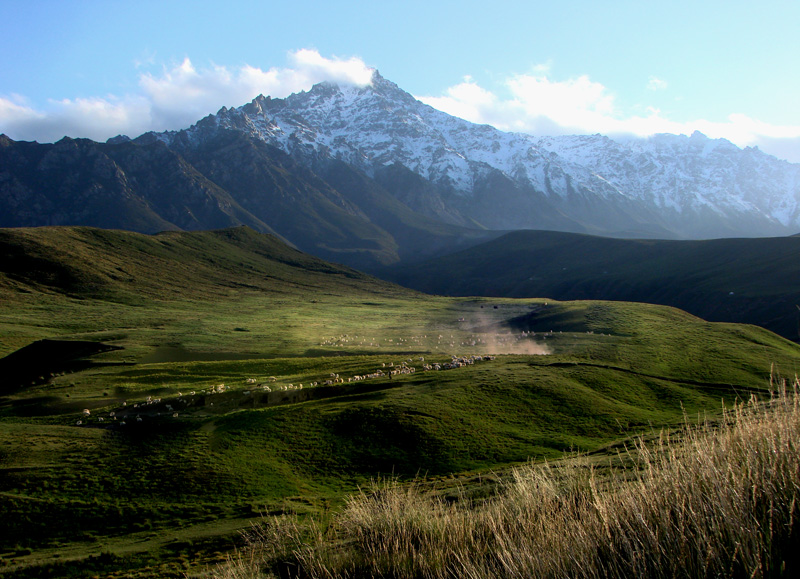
(576, 102)
(655, 83)
(538, 105)
(183, 93)
(96, 118)
(179, 96)
(352, 71)
(16, 110)
(535, 105)
(469, 101)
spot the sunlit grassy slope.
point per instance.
(166, 491)
(714, 499)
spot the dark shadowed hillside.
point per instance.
(754, 281)
(227, 179)
(132, 267)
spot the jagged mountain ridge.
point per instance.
(664, 186)
(124, 186)
(369, 176)
(229, 179)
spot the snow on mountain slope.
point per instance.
(680, 172)
(692, 186)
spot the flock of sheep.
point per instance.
(433, 342)
(158, 407)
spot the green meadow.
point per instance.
(148, 459)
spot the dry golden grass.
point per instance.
(714, 500)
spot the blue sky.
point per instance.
(99, 68)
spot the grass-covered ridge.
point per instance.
(117, 265)
(183, 313)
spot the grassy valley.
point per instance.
(153, 408)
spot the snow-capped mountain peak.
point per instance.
(688, 186)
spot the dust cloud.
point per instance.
(494, 337)
(498, 344)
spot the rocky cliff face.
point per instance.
(125, 186)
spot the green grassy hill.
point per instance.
(175, 316)
(752, 281)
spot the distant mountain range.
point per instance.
(369, 176)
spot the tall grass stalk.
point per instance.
(714, 500)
